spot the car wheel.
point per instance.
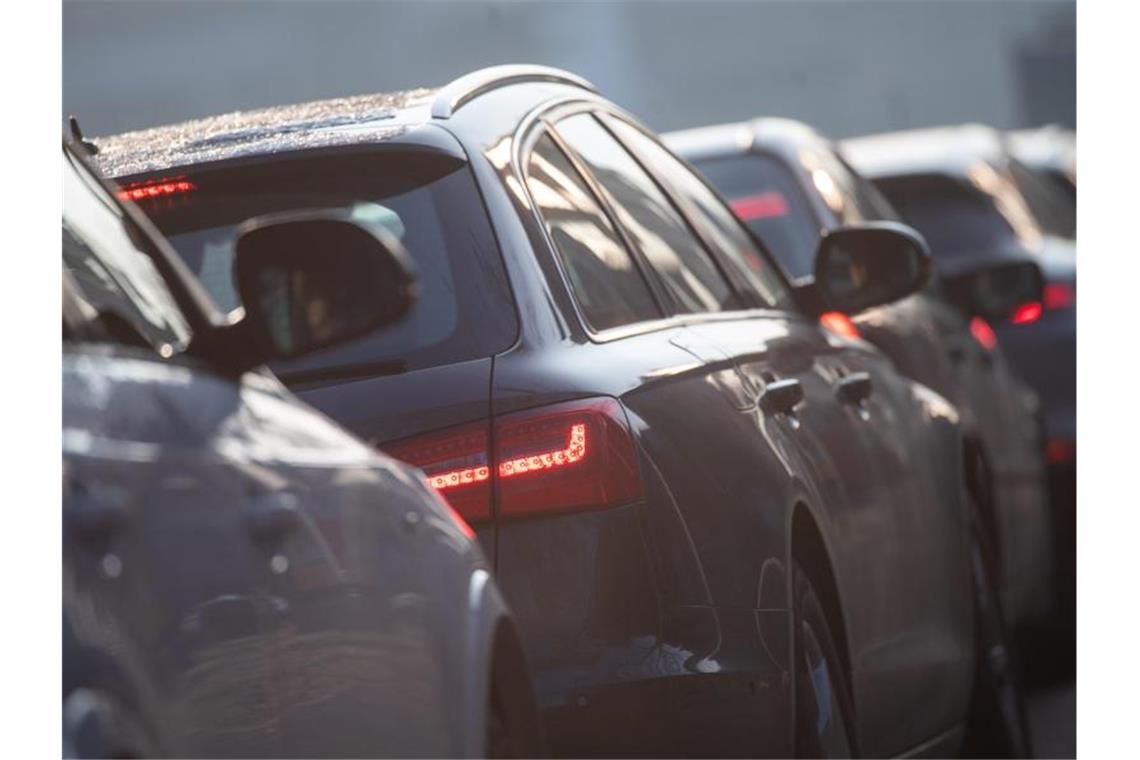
(500, 739)
(823, 703)
(996, 726)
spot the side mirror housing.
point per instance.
(857, 267)
(311, 280)
(994, 291)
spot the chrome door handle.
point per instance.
(781, 396)
(854, 388)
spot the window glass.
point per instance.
(464, 309)
(654, 225)
(766, 196)
(111, 271)
(608, 286)
(711, 215)
(1055, 212)
(956, 219)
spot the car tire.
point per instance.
(824, 710)
(996, 726)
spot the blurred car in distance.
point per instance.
(968, 197)
(790, 185)
(242, 577)
(1051, 152)
(723, 529)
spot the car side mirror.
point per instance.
(311, 280)
(995, 291)
(857, 267)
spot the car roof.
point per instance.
(1051, 146)
(360, 119)
(778, 135)
(938, 150)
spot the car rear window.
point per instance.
(429, 201)
(956, 219)
(766, 196)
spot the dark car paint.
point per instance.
(248, 579)
(671, 614)
(929, 341)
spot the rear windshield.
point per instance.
(956, 219)
(429, 201)
(767, 197)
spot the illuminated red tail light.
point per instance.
(1026, 313)
(839, 323)
(156, 188)
(1059, 295)
(762, 206)
(455, 463)
(573, 456)
(577, 455)
(983, 333)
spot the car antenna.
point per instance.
(77, 133)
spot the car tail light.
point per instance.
(839, 323)
(1059, 295)
(577, 455)
(573, 456)
(156, 188)
(983, 333)
(455, 463)
(1058, 451)
(1027, 313)
(760, 206)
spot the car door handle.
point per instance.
(854, 388)
(270, 517)
(781, 396)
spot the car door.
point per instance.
(154, 532)
(893, 510)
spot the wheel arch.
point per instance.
(809, 549)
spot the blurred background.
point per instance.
(847, 67)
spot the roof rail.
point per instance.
(454, 95)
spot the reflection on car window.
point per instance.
(711, 215)
(606, 282)
(765, 195)
(654, 226)
(111, 274)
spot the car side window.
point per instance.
(119, 285)
(606, 281)
(656, 228)
(709, 212)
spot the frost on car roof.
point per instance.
(321, 123)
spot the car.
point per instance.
(1051, 153)
(723, 530)
(790, 184)
(241, 576)
(962, 190)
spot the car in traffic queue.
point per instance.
(790, 184)
(723, 530)
(241, 576)
(969, 197)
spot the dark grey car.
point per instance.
(242, 577)
(790, 185)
